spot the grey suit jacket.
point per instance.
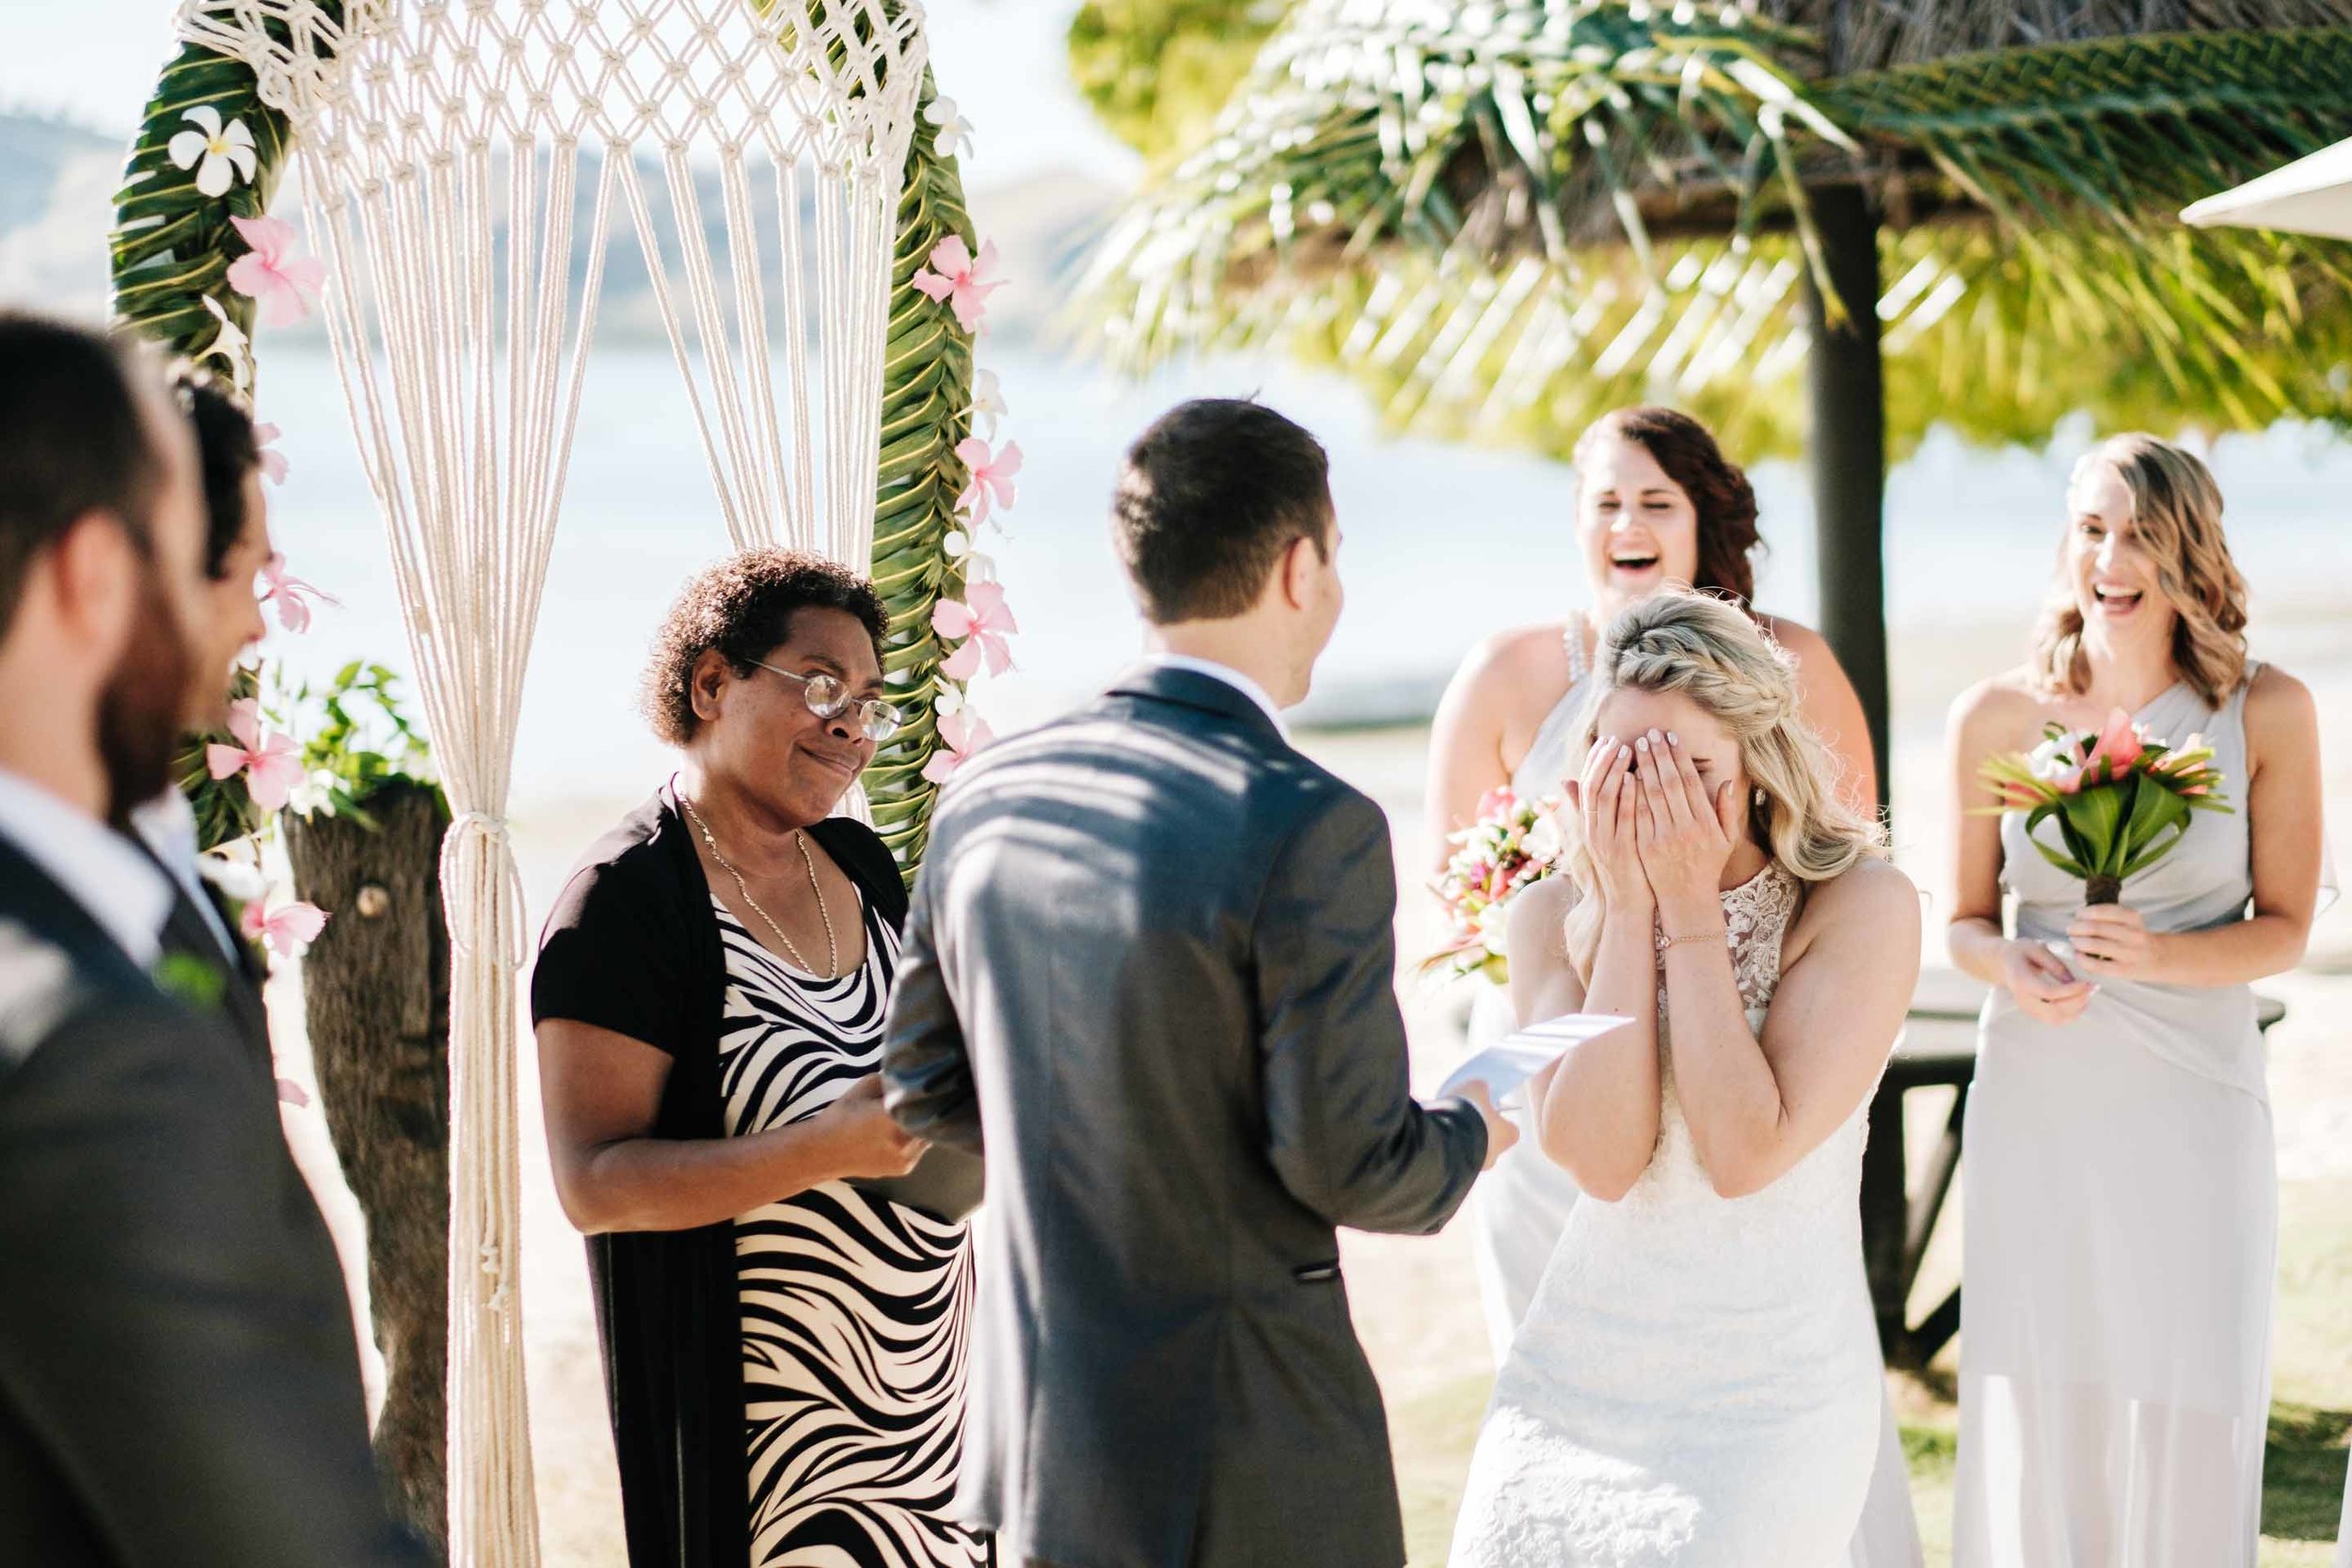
(1150, 965)
(179, 1383)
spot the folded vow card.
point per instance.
(1511, 1061)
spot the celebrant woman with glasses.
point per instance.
(783, 1347)
(2120, 1186)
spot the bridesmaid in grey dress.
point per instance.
(2120, 1181)
(1657, 504)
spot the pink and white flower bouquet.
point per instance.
(2120, 797)
(1514, 844)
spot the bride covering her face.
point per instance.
(1714, 1269)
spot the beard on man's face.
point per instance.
(138, 712)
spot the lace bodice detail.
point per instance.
(1756, 918)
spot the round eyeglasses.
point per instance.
(828, 697)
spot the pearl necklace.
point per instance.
(833, 948)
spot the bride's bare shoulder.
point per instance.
(1871, 901)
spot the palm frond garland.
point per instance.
(172, 245)
(927, 411)
(1505, 230)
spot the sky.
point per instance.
(95, 61)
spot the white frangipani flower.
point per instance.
(312, 794)
(238, 875)
(948, 702)
(988, 402)
(218, 153)
(979, 568)
(957, 545)
(955, 132)
(231, 344)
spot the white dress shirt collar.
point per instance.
(1231, 678)
(117, 886)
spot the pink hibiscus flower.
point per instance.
(963, 281)
(284, 284)
(272, 764)
(983, 618)
(960, 736)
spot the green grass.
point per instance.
(2303, 1470)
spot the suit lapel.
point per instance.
(187, 934)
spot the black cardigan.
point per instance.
(632, 945)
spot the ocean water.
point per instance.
(1442, 543)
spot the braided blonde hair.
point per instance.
(1707, 650)
(2176, 519)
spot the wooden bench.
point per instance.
(1938, 1051)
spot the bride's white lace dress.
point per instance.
(1697, 1384)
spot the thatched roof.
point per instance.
(1885, 35)
(1635, 175)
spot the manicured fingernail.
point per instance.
(1673, 739)
(1624, 753)
(1643, 743)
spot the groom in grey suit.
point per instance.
(1150, 965)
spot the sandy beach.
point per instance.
(1416, 1300)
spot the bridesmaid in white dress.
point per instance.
(1657, 504)
(2121, 1230)
(1697, 1384)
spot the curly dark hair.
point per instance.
(1719, 491)
(231, 450)
(743, 606)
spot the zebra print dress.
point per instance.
(856, 1311)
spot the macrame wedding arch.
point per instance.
(461, 162)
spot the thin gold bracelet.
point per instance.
(1703, 936)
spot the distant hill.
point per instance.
(57, 183)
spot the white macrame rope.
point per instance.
(464, 376)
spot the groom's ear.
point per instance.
(1294, 575)
(1307, 559)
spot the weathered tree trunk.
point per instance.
(376, 989)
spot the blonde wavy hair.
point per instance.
(1706, 649)
(2176, 519)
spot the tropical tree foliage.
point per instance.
(1157, 71)
(1505, 218)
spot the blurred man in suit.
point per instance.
(202, 930)
(178, 1380)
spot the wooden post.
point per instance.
(375, 988)
(1847, 382)
(1848, 386)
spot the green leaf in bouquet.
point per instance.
(2155, 851)
(2154, 812)
(2064, 862)
(2094, 816)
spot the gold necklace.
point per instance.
(833, 949)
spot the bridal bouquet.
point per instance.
(2121, 799)
(1514, 843)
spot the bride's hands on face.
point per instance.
(1605, 803)
(1687, 830)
